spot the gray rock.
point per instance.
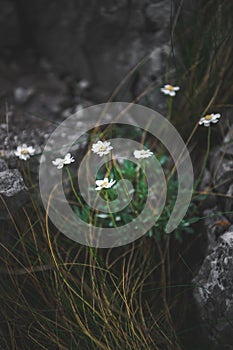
(229, 136)
(216, 224)
(13, 192)
(102, 42)
(37, 138)
(214, 292)
(10, 139)
(33, 95)
(213, 283)
(3, 165)
(221, 168)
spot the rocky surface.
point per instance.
(13, 191)
(100, 42)
(213, 283)
(10, 139)
(31, 95)
(3, 165)
(71, 53)
(213, 292)
(221, 167)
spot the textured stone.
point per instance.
(10, 139)
(3, 165)
(213, 283)
(229, 137)
(34, 95)
(102, 42)
(214, 292)
(13, 192)
(98, 42)
(221, 168)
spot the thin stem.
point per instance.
(205, 160)
(72, 186)
(109, 210)
(29, 173)
(170, 100)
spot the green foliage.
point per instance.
(130, 171)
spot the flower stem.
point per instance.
(29, 172)
(170, 100)
(109, 210)
(204, 162)
(72, 186)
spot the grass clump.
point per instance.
(58, 294)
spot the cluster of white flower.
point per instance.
(102, 148)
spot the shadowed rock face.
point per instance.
(213, 290)
(3, 165)
(100, 41)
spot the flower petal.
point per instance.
(60, 166)
(57, 161)
(172, 93)
(216, 116)
(166, 92)
(68, 156)
(31, 150)
(99, 182)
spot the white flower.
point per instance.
(170, 90)
(209, 118)
(24, 152)
(142, 154)
(101, 148)
(60, 162)
(105, 183)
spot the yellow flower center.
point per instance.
(102, 148)
(170, 88)
(24, 151)
(208, 117)
(105, 183)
